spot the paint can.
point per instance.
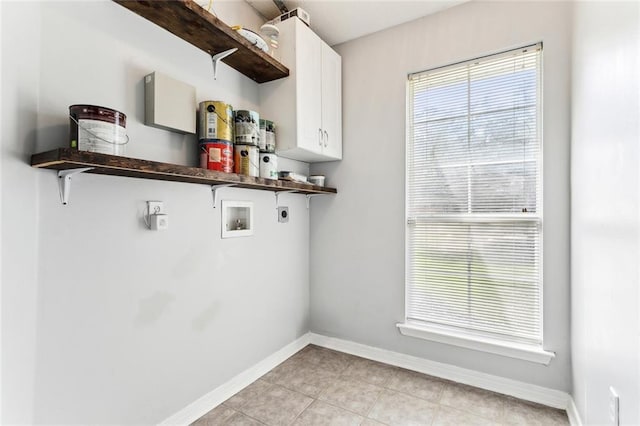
(267, 136)
(216, 154)
(246, 160)
(215, 121)
(247, 127)
(97, 129)
(268, 166)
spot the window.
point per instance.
(474, 204)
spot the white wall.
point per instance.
(605, 240)
(357, 237)
(104, 321)
(20, 84)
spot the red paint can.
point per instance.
(216, 154)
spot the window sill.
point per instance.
(512, 350)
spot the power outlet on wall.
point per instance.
(283, 214)
(155, 207)
(614, 407)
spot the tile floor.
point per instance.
(318, 386)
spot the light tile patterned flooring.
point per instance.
(318, 386)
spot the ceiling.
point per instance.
(337, 21)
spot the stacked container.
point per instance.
(247, 140)
(236, 141)
(215, 136)
(268, 158)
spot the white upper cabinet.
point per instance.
(307, 94)
(306, 107)
(331, 103)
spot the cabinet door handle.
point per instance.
(320, 136)
(326, 138)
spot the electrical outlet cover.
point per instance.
(155, 207)
(283, 214)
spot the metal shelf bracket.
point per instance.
(214, 192)
(64, 182)
(277, 193)
(309, 198)
(218, 57)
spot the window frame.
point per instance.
(449, 335)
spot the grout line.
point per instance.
(435, 414)
(253, 418)
(333, 404)
(416, 396)
(246, 415)
(290, 390)
(300, 413)
(447, 385)
(444, 387)
(283, 387)
(463, 409)
(374, 404)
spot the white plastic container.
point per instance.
(316, 180)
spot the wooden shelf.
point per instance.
(187, 20)
(114, 165)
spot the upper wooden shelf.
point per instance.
(187, 20)
(104, 164)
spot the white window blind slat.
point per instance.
(474, 219)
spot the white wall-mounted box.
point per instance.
(169, 104)
(237, 218)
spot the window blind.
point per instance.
(474, 192)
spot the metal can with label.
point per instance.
(216, 154)
(267, 136)
(247, 127)
(246, 160)
(97, 129)
(215, 121)
(268, 166)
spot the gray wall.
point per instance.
(605, 225)
(19, 200)
(357, 237)
(104, 321)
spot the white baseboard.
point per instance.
(206, 403)
(522, 390)
(574, 415)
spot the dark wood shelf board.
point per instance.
(187, 20)
(104, 164)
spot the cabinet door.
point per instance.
(331, 103)
(309, 88)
